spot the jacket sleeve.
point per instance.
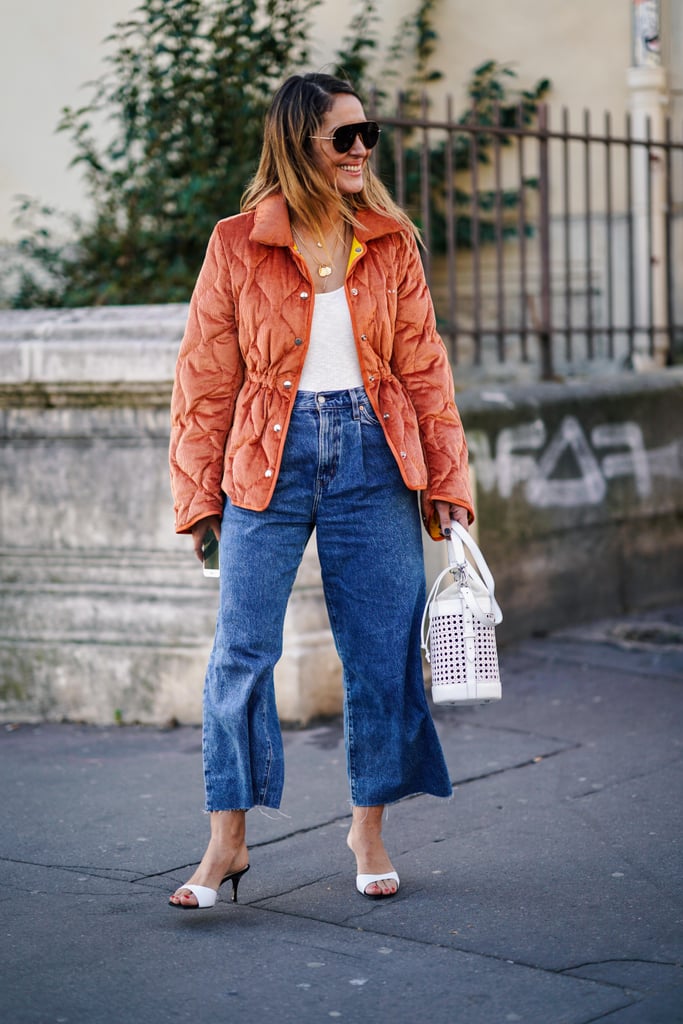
(420, 361)
(209, 374)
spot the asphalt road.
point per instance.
(548, 891)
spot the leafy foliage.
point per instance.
(494, 103)
(185, 88)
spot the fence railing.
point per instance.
(553, 247)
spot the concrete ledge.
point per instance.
(110, 344)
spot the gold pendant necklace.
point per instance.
(324, 269)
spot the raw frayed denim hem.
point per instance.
(230, 810)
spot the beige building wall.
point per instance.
(583, 46)
(48, 50)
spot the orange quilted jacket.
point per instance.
(244, 348)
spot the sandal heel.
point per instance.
(235, 879)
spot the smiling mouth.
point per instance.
(351, 168)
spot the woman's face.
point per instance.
(345, 170)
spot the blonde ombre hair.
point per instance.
(295, 114)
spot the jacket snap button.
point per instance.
(297, 341)
(385, 416)
(287, 384)
(268, 472)
(303, 295)
(404, 455)
(354, 291)
(358, 249)
(277, 428)
(363, 337)
(371, 378)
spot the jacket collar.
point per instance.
(272, 227)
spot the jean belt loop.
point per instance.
(355, 394)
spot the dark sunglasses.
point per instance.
(345, 136)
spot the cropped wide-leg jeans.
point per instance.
(339, 477)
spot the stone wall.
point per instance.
(105, 615)
(102, 616)
(580, 496)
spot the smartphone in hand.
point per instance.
(210, 563)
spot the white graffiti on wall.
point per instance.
(594, 464)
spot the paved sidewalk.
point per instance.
(548, 891)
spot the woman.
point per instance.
(312, 390)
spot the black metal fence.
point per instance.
(553, 247)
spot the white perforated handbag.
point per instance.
(460, 640)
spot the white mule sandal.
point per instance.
(205, 896)
(363, 881)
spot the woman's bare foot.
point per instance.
(226, 853)
(365, 842)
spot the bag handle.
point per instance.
(459, 539)
(460, 568)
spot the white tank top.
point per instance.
(332, 360)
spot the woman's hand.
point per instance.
(446, 512)
(200, 530)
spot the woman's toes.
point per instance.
(383, 887)
(184, 897)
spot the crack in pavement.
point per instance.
(93, 872)
(610, 1013)
(287, 892)
(529, 763)
(387, 936)
(624, 780)
(133, 877)
(336, 819)
(622, 960)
